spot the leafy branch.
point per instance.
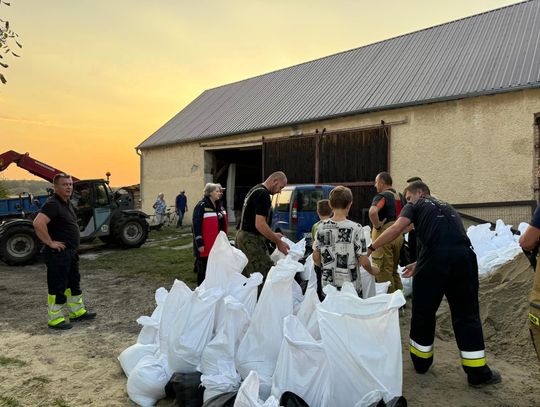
(9, 39)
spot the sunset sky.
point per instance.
(97, 77)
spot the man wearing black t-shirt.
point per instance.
(254, 227)
(56, 226)
(446, 266)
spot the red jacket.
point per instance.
(207, 223)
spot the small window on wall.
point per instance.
(307, 200)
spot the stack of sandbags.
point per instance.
(494, 247)
(343, 351)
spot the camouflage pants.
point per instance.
(254, 248)
(386, 258)
(534, 312)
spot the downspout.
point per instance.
(140, 173)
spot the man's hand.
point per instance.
(57, 245)
(201, 249)
(381, 224)
(410, 270)
(282, 246)
(374, 270)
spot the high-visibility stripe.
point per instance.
(473, 355)
(76, 306)
(210, 215)
(534, 319)
(421, 348)
(54, 311)
(420, 354)
(473, 362)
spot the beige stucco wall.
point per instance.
(472, 150)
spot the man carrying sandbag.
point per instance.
(447, 266)
(254, 229)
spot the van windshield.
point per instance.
(307, 199)
(283, 201)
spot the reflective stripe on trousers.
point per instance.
(473, 359)
(424, 352)
(54, 311)
(75, 304)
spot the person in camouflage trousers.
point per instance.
(254, 229)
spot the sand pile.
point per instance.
(503, 309)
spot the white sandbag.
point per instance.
(194, 331)
(248, 394)
(132, 355)
(259, 348)
(382, 288)
(172, 310)
(406, 282)
(247, 291)
(307, 314)
(146, 383)
(296, 250)
(302, 367)
(370, 399)
(228, 380)
(362, 342)
(309, 272)
(225, 264)
(298, 297)
(369, 287)
(150, 325)
(218, 357)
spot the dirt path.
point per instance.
(79, 367)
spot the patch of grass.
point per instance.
(153, 262)
(4, 361)
(8, 401)
(60, 402)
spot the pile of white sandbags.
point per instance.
(494, 247)
(344, 351)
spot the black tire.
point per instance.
(19, 245)
(131, 231)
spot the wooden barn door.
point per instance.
(351, 158)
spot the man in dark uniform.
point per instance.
(254, 227)
(447, 266)
(56, 226)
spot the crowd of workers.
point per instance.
(442, 262)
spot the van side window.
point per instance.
(283, 201)
(307, 200)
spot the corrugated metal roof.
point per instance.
(492, 52)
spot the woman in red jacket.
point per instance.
(209, 218)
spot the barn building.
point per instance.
(457, 104)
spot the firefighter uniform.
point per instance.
(446, 266)
(386, 258)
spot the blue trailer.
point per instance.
(22, 206)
